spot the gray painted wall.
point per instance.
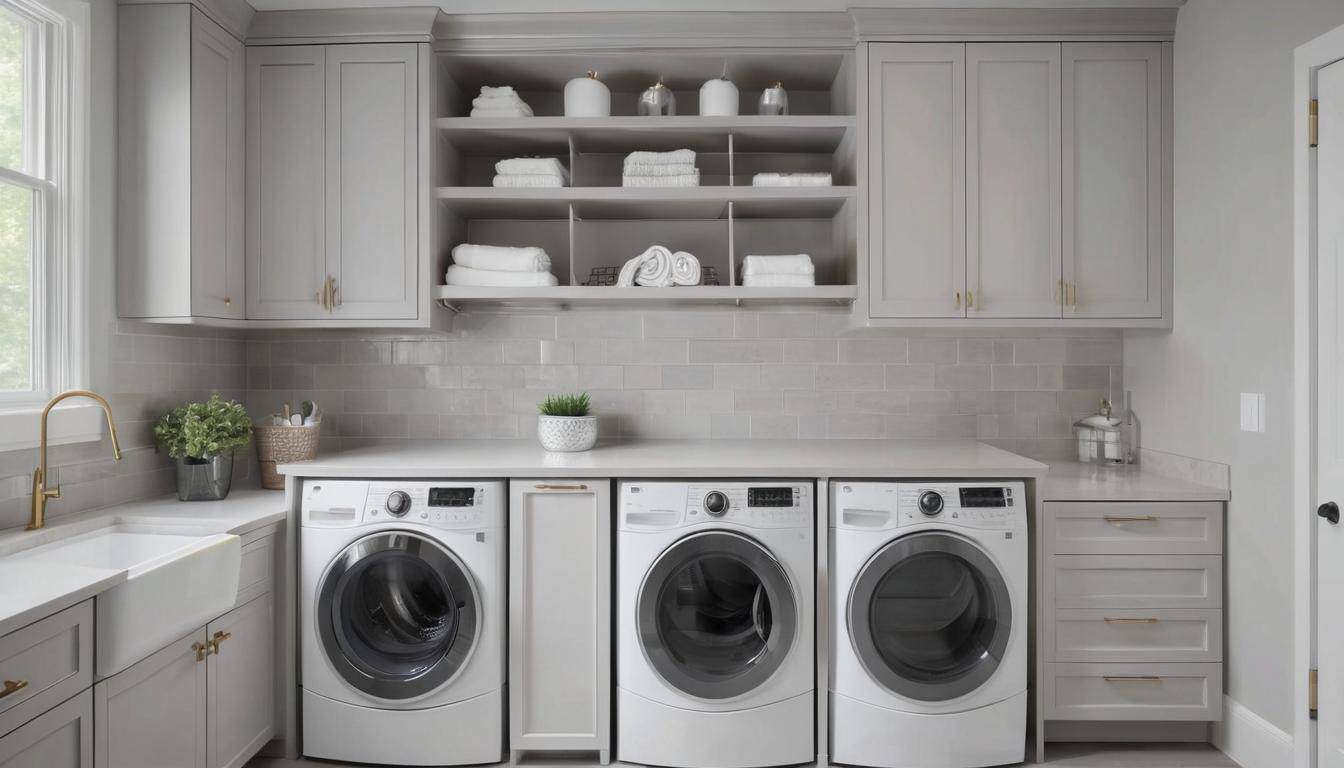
(1233, 322)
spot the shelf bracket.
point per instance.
(451, 307)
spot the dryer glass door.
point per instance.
(717, 615)
(397, 615)
(930, 616)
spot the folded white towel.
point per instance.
(527, 166)
(675, 157)
(529, 180)
(679, 169)
(502, 258)
(684, 180)
(791, 180)
(497, 91)
(459, 275)
(685, 269)
(797, 264)
(502, 111)
(778, 281)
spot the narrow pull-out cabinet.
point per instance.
(180, 110)
(239, 679)
(560, 617)
(60, 738)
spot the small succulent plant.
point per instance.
(565, 405)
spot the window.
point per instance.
(41, 170)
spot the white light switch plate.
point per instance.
(1252, 412)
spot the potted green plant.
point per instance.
(565, 424)
(202, 438)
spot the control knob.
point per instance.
(716, 503)
(398, 503)
(930, 503)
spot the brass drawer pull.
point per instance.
(1129, 518)
(553, 487)
(1125, 620)
(12, 687)
(217, 639)
(1132, 678)
(202, 650)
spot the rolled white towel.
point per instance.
(502, 258)
(684, 180)
(526, 180)
(791, 180)
(656, 269)
(527, 166)
(778, 281)
(460, 275)
(675, 157)
(797, 264)
(685, 269)
(659, 170)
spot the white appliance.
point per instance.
(402, 590)
(715, 600)
(929, 603)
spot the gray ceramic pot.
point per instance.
(205, 479)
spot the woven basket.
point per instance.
(281, 445)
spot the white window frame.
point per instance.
(56, 157)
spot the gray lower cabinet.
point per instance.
(60, 738)
(205, 701)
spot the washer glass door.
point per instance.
(930, 616)
(397, 614)
(717, 615)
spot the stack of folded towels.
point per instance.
(499, 102)
(500, 267)
(660, 169)
(778, 271)
(531, 172)
(791, 180)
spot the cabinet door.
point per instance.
(1112, 179)
(61, 738)
(241, 683)
(286, 217)
(217, 126)
(1013, 180)
(917, 159)
(372, 231)
(152, 714)
(560, 650)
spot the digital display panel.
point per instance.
(770, 497)
(982, 497)
(452, 497)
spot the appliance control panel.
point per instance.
(448, 504)
(992, 504)
(664, 505)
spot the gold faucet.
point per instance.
(41, 493)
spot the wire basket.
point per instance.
(281, 445)
(607, 276)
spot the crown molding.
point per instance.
(235, 16)
(963, 21)
(343, 25)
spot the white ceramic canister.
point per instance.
(718, 98)
(587, 97)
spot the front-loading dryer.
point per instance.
(715, 592)
(402, 594)
(929, 624)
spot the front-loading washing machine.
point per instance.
(715, 591)
(402, 594)
(929, 620)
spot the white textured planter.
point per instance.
(567, 434)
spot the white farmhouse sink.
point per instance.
(175, 582)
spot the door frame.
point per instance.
(1307, 59)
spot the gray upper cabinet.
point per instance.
(1013, 180)
(1113, 179)
(333, 187)
(180, 166)
(916, 183)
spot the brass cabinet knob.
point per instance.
(217, 639)
(12, 687)
(202, 650)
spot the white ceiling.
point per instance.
(784, 6)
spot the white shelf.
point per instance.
(452, 297)
(647, 203)
(551, 135)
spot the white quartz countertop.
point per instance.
(676, 458)
(1071, 481)
(31, 590)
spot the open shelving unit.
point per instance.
(597, 223)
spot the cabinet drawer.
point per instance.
(1148, 635)
(1135, 581)
(1134, 528)
(51, 660)
(1133, 691)
(256, 570)
(60, 738)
